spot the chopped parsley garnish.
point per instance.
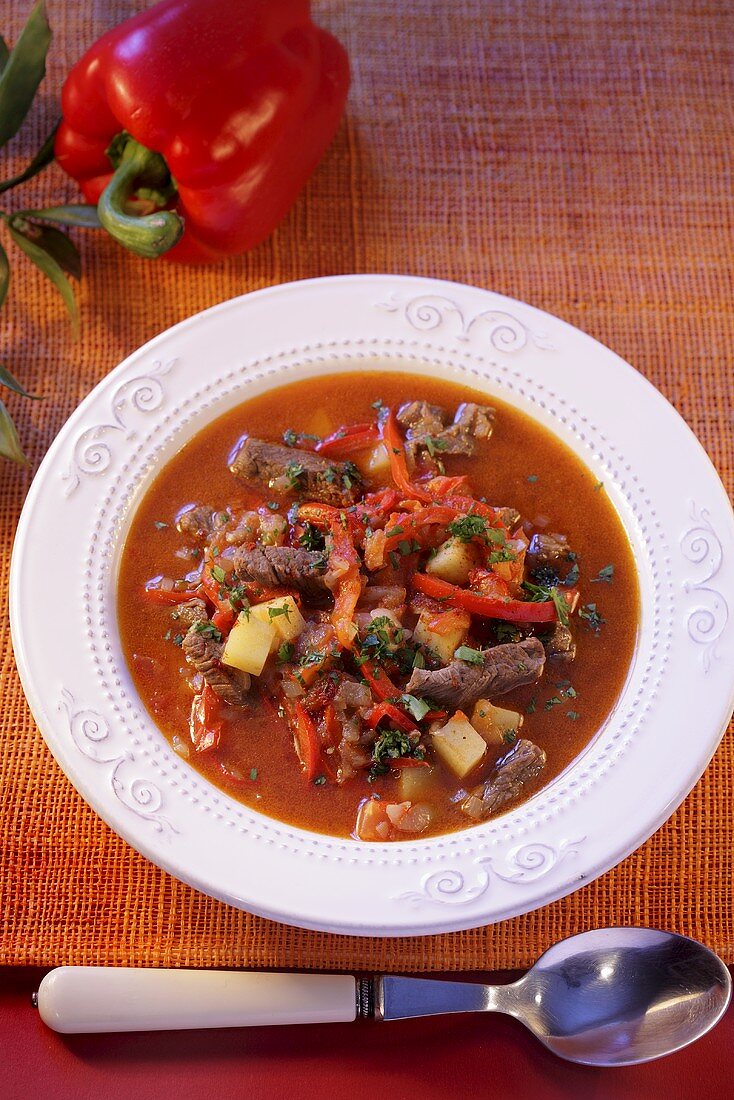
(433, 444)
(377, 404)
(419, 660)
(592, 617)
(605, 575)
(398, 530)
(394, 559)
(351, 475)
(223, 517)
(381, 640)
(178, 639)
(541, 593)
(273, 505)
(466, 528)
(208, 630)
(532, 706)
(237, 595)
(159, 524)
(253, 774)
(319, 781)
(532, 478)
(505, 554)
(315, 657)
(572, 714)
(276, 612)
(507, 632)
(285, 652)
(471, 656)
(552, 702)
(218, 573)
(509, 737)
(294, 471)
(292, 439)
(391, 745)
(167, 636)
(572, 576)
(418, 708)
(312, 538)
(599, 485)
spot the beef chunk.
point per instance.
(290, 566)
(560, 644)
(206, 657)
(284, 470)
(523, 763)
(460, 684)
(186, 614)
(421, 419)
(548, 549)
(425, 422)
(196, 523)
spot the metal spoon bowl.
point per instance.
(610, 997)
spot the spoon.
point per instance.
(609, 997)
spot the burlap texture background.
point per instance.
(576, 155)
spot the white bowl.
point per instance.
(643, 762)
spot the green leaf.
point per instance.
(76, 214)
(24, 71)
(51, 269)
(53, 242)
(9, 443)
(4, 53)
(43, 157)
(12, 383)
(4, 275)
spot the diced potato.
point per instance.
(249, 644)
(453, 561)
(377, 462)
(416, 784)
(442, 633)
(283, 614)
(492, 722)
(458, 745)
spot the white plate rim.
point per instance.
(456, 888)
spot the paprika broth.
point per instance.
(377, 605)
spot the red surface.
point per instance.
(470, 1057)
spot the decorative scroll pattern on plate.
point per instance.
(93, 737)
(431, 311)
(92, 451)
(701, 546)
(522, 865)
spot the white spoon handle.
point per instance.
(75, 999)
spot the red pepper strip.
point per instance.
(398, 464)
(409, 762)
(349, 586)
(512, 611)
(239, 99)
(204, 724)
(224, 620)
(380, 683)
(346, 441)
(443, 486)
(435, 716)
(307, 741)
(169, 596)
(397, 717)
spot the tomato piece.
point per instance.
(169, 596)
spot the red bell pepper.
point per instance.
(489, 607)
(398, 462)
(348, 440)
(398, 717)
(380, 683)
(210, 115)
(307, 741)
(205, 724)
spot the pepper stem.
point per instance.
(152, 234)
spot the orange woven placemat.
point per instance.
(575, 155)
